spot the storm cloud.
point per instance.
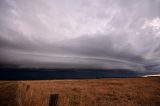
(84, 33)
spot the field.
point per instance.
(91, 92)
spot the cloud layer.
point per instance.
(85, 33)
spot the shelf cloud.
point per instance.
(83, 33)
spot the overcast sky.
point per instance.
(81, 33)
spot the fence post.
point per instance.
(53, 100)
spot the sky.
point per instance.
(81, 33)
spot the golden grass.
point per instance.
(8, 93)
(93, 92)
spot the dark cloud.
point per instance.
(93, 33)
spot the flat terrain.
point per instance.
(92, 92)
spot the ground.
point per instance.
(88, 92)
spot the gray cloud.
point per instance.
(93, 33)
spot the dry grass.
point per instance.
(8, 93)
(98, 92)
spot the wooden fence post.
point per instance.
(53, 100)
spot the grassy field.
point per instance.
(92, 92)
